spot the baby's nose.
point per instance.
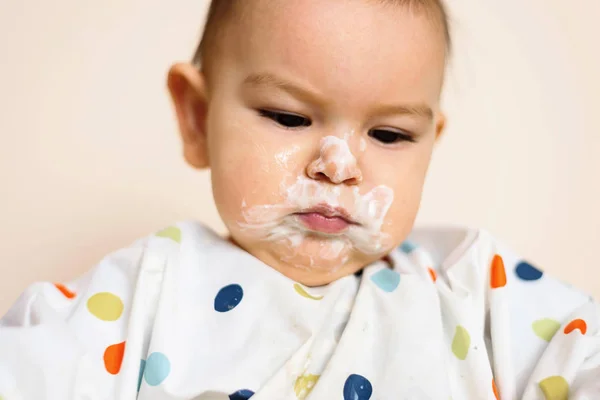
(335, 163)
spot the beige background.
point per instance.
(82, 86)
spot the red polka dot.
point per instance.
(113, 357)
(66, 292)
(432, 274)
(576, 324)
(495, 389)
(498, 273)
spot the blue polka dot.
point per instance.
(141, 375)
(243, 394)
(386, 279)
(228, 298)
(357, 388)
(408, 247)
(528, 272)
(157, 369)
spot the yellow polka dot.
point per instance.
(302, 292)
(555, 388)
(461, 342)
(304, 384)
(172, 232)
(545, 328)
(105, 306)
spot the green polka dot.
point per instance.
(545, 328)
(172, 232)
(105, 306)
(555, 388)
(461, 343)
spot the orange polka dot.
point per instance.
(432, 274)
(576, 324)
(66, 292)
(498, 273)
(113, 357)
(495, 389)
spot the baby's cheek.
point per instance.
(226, 199)
(401, 217)
(242, 198)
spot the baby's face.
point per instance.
(320, 129)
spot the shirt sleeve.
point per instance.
(84, 339)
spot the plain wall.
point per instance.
(90, 157)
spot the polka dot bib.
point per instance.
(184, 314)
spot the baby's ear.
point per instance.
(440, 125)
(188, 91)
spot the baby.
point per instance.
(317, 119)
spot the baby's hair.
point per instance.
(221, 11)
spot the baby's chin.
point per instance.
(313, 260)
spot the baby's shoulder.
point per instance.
(526, 279)
(535, 295)
(485, 265)
(114, 281)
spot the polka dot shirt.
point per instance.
(184, 314)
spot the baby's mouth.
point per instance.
(326, 219)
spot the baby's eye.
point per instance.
(286, 119)
(389, 137)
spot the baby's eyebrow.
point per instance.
(420, 110)
(270, 79)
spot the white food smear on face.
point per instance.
(363, 144)
(277, 223)
(348, 135)
(336, 160)
(282, 158)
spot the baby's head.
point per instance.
(317, 119)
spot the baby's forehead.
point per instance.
(275, 17)
(384, 53)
